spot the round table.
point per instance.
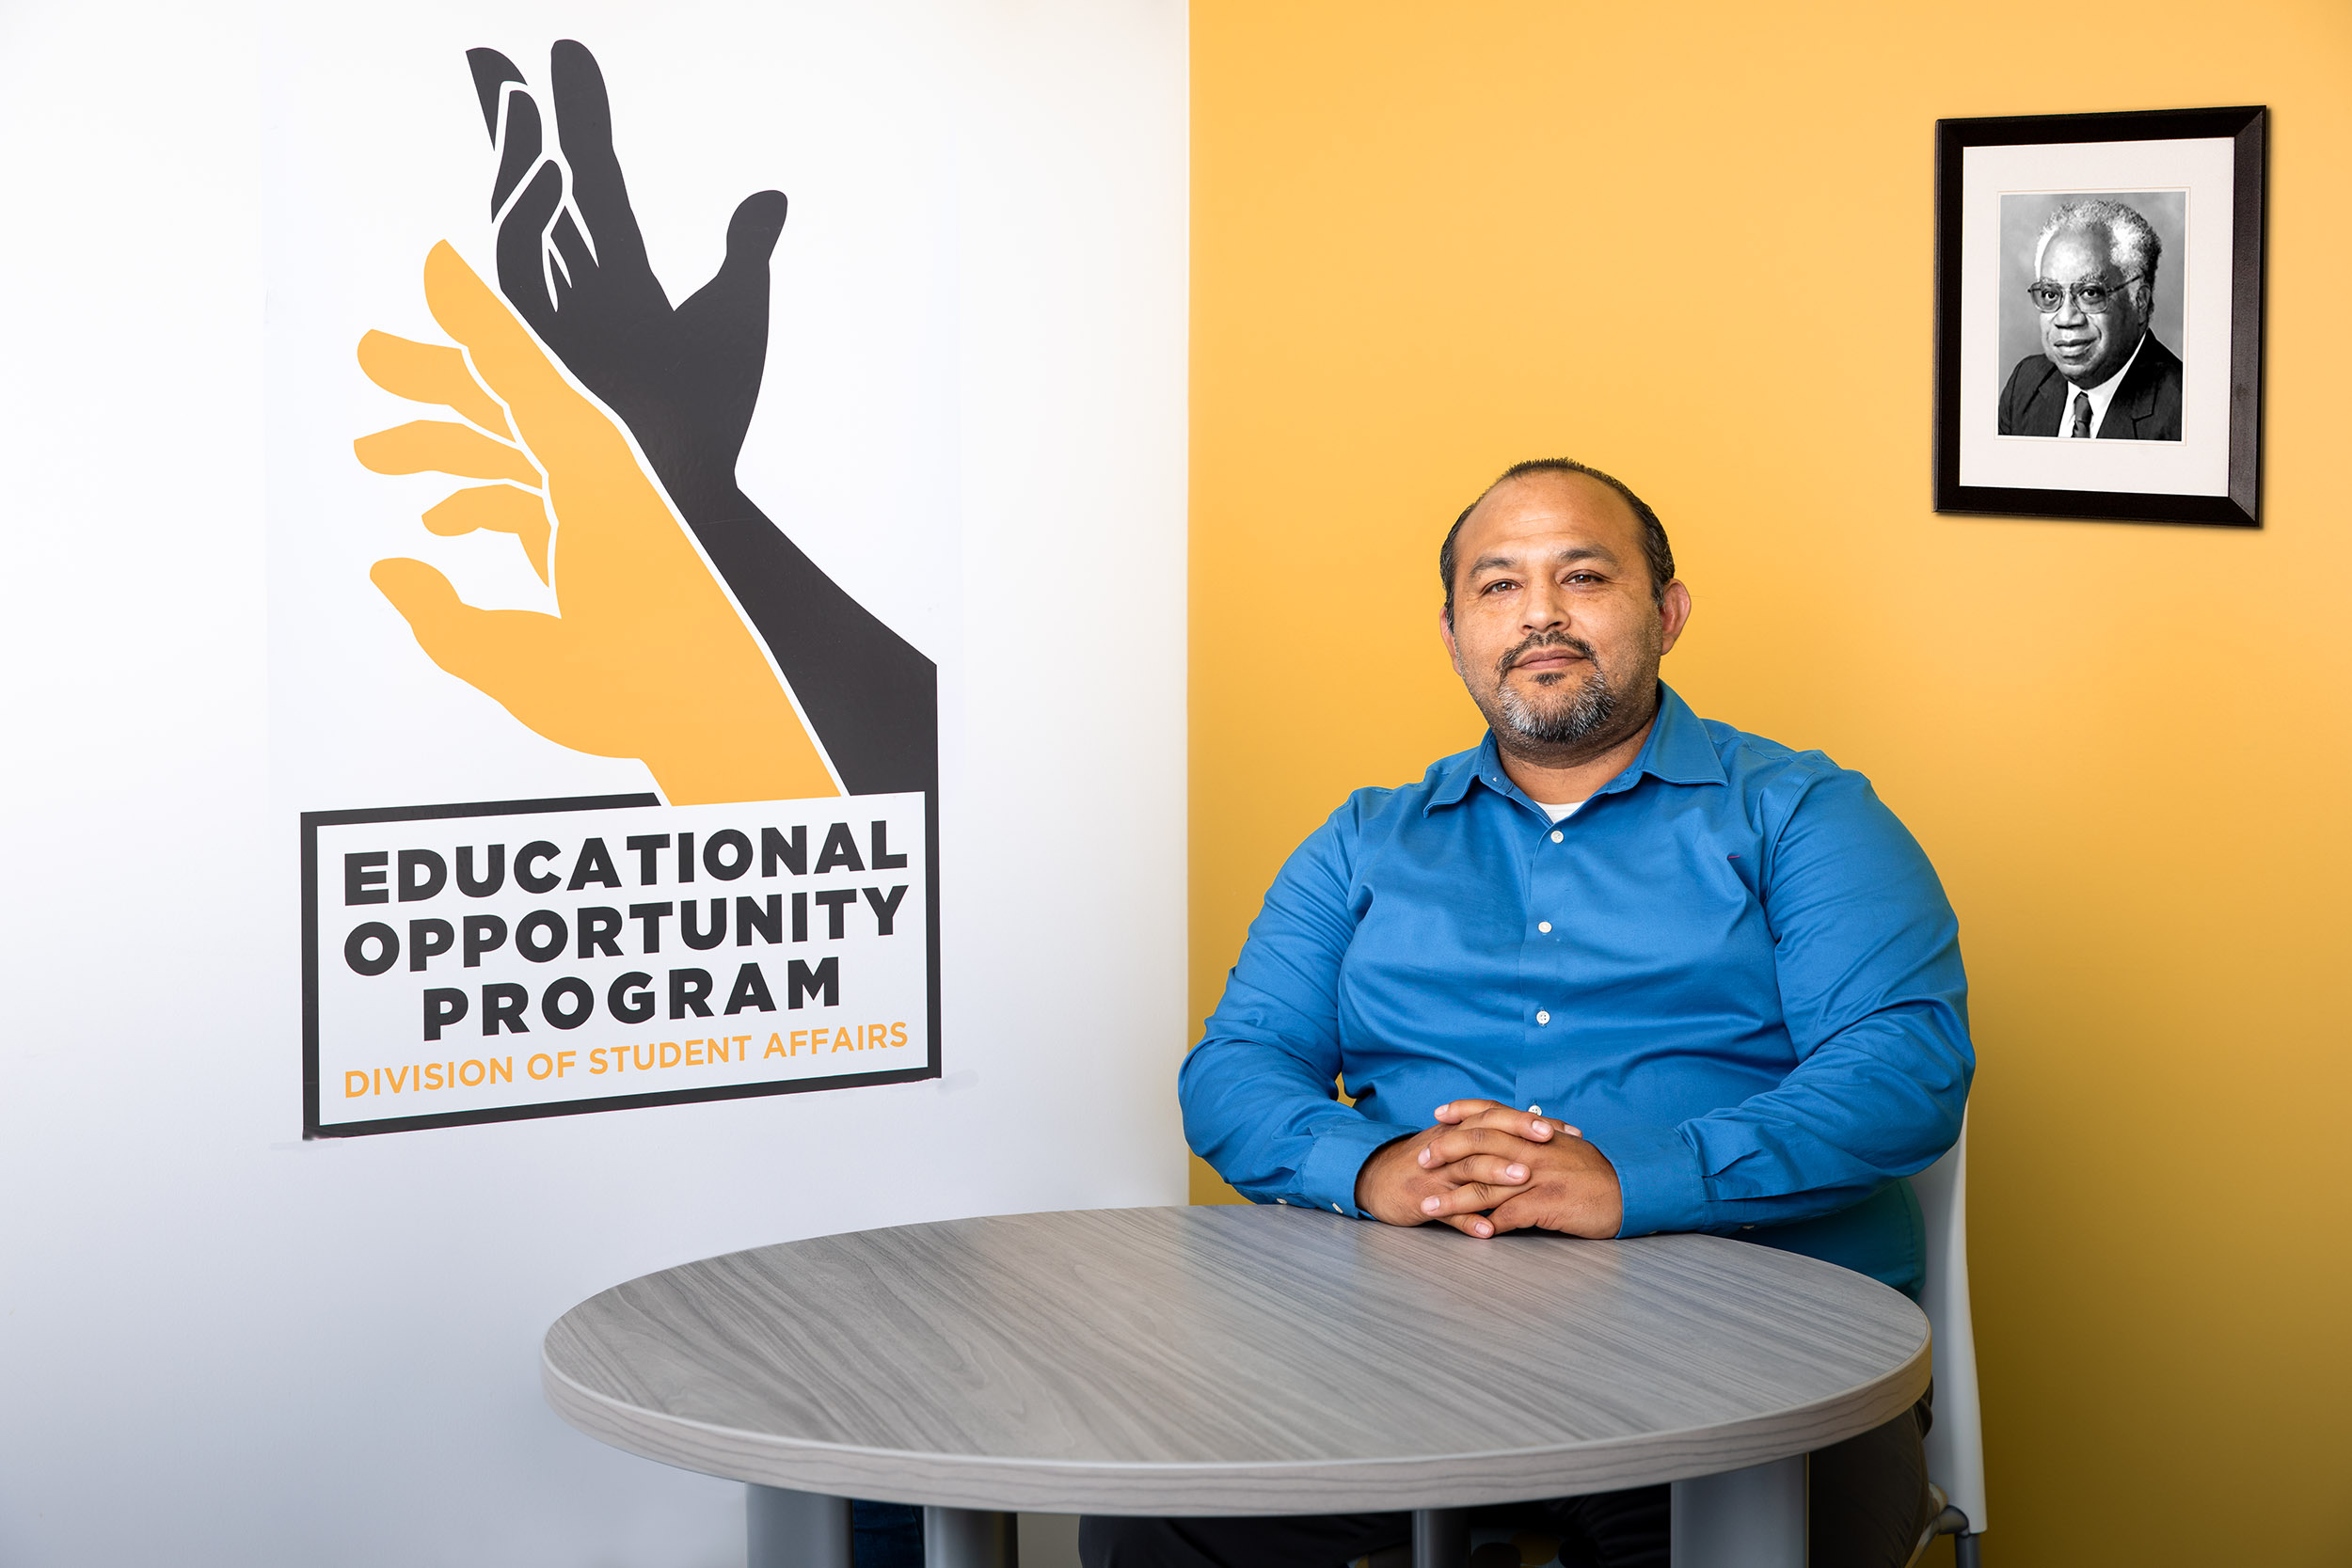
(1238, 1360)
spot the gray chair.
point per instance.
(1956, 1444)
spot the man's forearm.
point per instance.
(1879, 1100)
(1269, 1124)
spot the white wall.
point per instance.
(219, 1343)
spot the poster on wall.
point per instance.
(610, 793)
(2099, 310)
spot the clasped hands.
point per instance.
(1486, 1169)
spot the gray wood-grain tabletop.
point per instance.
(1231, 1360)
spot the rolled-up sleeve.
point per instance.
(1868, 953)
(1258, 1092)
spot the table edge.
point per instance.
(1287, 1487)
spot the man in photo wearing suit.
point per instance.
(2101, 371)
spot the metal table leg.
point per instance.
(1752, 1518)
(1440, 1538)
(969, 1537)
(796, 1530)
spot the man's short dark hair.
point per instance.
(1655, 550)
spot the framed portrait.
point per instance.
(2099, 315)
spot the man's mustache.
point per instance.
(1546, 640)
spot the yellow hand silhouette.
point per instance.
(646, 657)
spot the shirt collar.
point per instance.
(1678, 751)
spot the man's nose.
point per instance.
(2070, 312)
(1544, 609)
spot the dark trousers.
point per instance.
(1868, 1504)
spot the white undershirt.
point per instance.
(2100, 396)
(1560, 813)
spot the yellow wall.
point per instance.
(1693, 244)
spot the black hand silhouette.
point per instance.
(684, 381)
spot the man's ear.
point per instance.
(1445, 635)
(1673, 613)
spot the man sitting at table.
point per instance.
(1641, 971)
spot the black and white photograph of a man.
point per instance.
(2086, 319)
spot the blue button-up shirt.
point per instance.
(1733, 968)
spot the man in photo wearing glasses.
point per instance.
(2101, 371)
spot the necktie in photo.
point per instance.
(2082, 416)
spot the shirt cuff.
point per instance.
(1658, 1177)
(1336, 1156)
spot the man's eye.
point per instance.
(1498, 584)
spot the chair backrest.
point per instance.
(1956, 1444)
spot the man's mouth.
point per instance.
(2072, 351)
(1544, 658)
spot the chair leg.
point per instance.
(1947, 1521)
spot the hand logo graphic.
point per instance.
(647, 656)
(685, 379)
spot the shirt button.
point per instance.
(1543, 926)
(1337, 1210)
(1283, 1201)
(1543, 1018)
(1555, 836)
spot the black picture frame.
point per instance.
(2248, 128)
